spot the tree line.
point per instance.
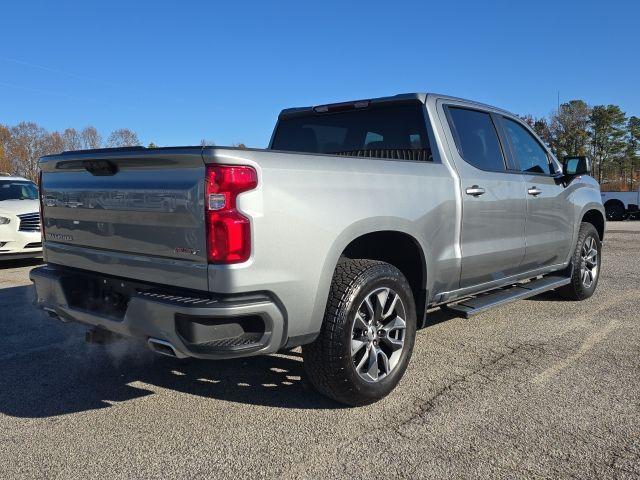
(23, 144)
(604, 133)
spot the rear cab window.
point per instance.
(393, 131)
(476, 138)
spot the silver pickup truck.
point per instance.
(358, 219)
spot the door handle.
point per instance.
(474, 190)
(535, 191)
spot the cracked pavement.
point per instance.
(540, 388)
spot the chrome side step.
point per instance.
(474, 305)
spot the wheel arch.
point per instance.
(367, 239)
(406, 255)
(614, 201)
(597, 219)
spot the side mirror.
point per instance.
(572, 166)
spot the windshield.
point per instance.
(372, 132)
(18, 190)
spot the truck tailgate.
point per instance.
(137, 213)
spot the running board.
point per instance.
(485, 301)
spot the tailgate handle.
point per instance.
(100, 167)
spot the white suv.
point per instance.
(19, 218)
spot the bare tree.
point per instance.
(53, 143)
(6, 165)
(207, 143)
(90, 138)
(71, 139)
(123, 137)
(28, 143)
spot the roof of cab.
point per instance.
(400, 98)
(8, 176)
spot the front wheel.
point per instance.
(367, 334)
(585, 263)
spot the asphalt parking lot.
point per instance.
(538, 388)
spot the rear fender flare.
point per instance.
(348, 235)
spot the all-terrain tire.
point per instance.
(578, 289)
(328, 361)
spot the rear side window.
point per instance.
(476, 138)
(394, 131)
(529, 153)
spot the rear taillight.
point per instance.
(40, 194)
(228, 231)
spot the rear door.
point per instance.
(549, 221)
(493, 203)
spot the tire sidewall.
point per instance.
(589, 232)
(378, 277)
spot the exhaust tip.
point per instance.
(162, 347)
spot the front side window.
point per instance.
(477, 139)
(529, 153)
(18, 190)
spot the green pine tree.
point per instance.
(608, 129)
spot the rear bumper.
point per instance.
(194, 326)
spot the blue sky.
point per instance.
(177, 72)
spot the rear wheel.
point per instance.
(367, 334)
(615, 211)
(586, 265)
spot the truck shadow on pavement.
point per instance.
(20, 262)
(47, 369)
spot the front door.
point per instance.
(493, 203)
(549, 224)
